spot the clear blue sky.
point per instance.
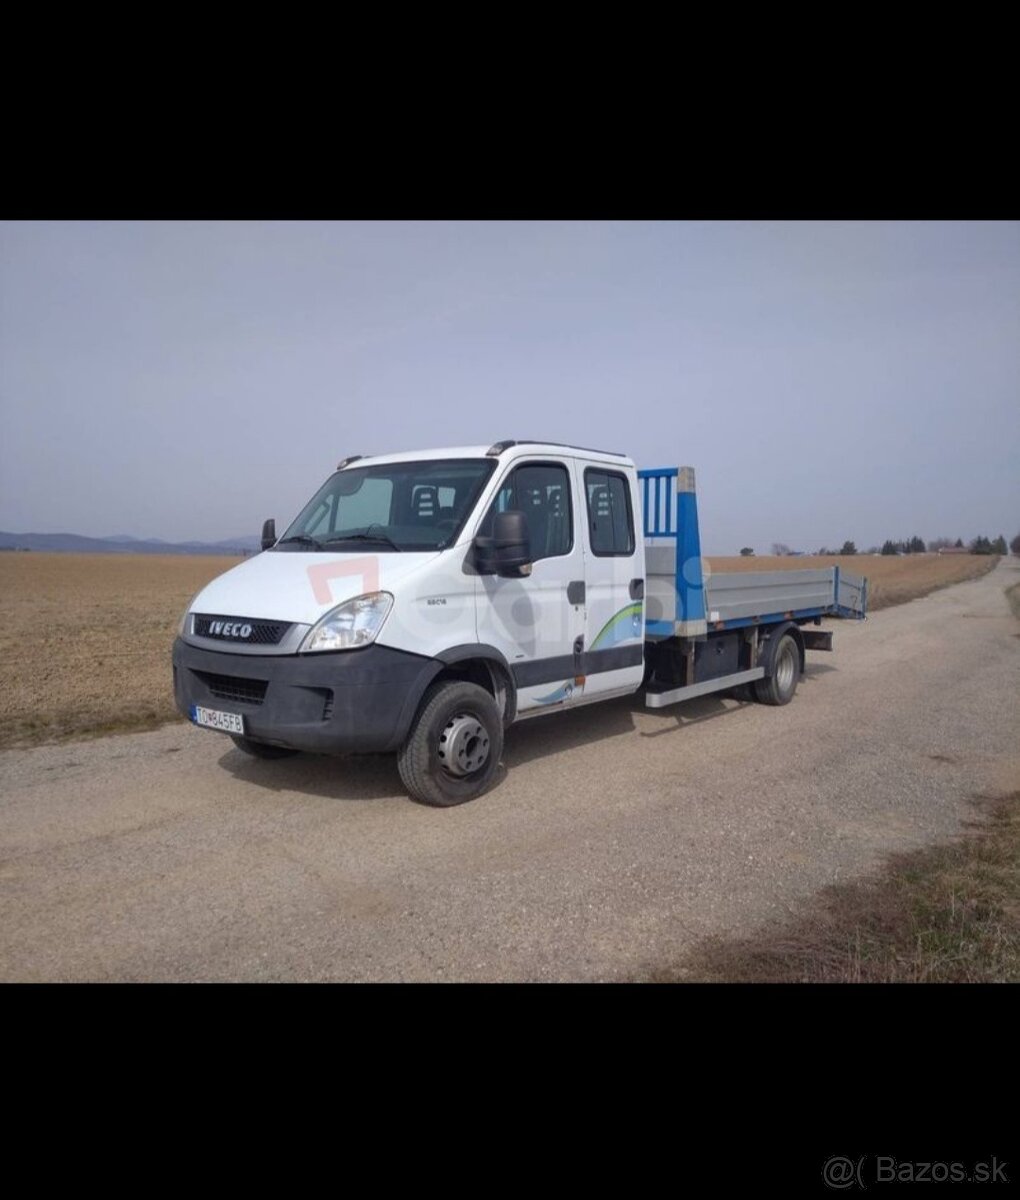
(827, 380)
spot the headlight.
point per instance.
(354, 623)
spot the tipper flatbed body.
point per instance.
(686, 605)
(423, 602)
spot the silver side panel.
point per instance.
(736, 595)
(759, 593)
(660, 557)
(660, 598)
(660, 580)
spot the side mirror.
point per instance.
(508, 551)
(269, 534)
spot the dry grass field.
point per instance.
(85, 639)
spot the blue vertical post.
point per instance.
(690, 583)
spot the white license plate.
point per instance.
(212, 718)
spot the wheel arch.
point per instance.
(772, 638)
(479, 663)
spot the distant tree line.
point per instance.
(915, 545)
(911, 545)
(981, 545)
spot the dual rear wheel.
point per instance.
(778, 688)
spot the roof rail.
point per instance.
(497, 448)
(346, 462)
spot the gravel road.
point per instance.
(617, 838)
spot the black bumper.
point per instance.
(354, 700)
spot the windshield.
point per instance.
(393, 506)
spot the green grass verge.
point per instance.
(944, 914)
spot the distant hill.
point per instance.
(73, 543)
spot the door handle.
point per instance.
(637, 589)
(575, 591)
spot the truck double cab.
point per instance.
(423, 602)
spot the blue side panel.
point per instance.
(690, 584)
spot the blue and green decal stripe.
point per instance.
(563, 692)
(623, 626)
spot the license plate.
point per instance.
(212, 718)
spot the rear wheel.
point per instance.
(261, 749)
(453, 749)
(778, 688)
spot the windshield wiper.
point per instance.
(303, 538)
(362, 537)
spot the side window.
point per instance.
(542, 493)
(610, 521)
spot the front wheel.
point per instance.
(453, 749)
(779, 687)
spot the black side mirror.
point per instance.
(269, 534)
(508, 551)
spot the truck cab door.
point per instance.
(537, 620)
(614, 570)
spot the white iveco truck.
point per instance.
(423, 602)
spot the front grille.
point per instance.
(262, 633)
(234, 688)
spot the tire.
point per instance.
(778, 688)
(453, 749)
(261, 749)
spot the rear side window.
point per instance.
(610, 521)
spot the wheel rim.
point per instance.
(463, 746)
(785, 670)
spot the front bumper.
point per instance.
(353, 700)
